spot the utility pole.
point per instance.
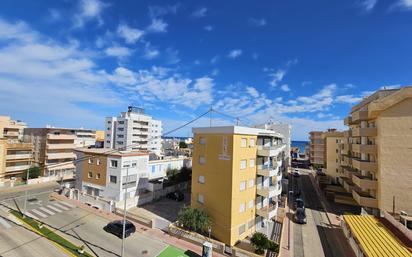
(25, 193)
(124, 210)
(210, 116)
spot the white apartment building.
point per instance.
(109, 175)
(157, 169)
(84, 137)
(133, 130)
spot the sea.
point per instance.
(300, 144)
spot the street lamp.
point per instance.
(25, 193)
(209, 229)
(124, 210)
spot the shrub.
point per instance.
(260, 241)
(194, 219)
(273, 247)
(34, 172)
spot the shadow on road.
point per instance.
(192, 254)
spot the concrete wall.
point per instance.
(395, 157)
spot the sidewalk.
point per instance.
(7, 190)
(286, 246)
(153, 233)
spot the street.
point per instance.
(318, 237)
(79, 226)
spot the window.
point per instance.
(90, 161)
(98, 176)
(113, 179)
(201, 179)
(113, 163)
(336, 170)
(243, 142)
(202, 140)
(108, 141)
(251, 204)
(90, 174)
(120, 129)
(134, 164)
(251, 182)
(202, 160)
(242, 207)
(109, 122)
(97, 161)
(108, 135)
(119, 142)
(252, 163)
(200, 199)
(243, 164)
(252, 142)
(242, 185)
(120, 136)
(242, 229)
(337, 150)
(121, 122)
(337, 160)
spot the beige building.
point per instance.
(332, 139)
(15, 156)
(316, 148)
(376, 152)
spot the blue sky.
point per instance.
(72, 63)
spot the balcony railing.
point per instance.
(270, 150)
(364, 182)
(60, 166)
(269, 191)
(359, 115)
(18, 156)
(364, 132)
(61, 137)
(364, 199)
(359, 148)
(364, 165)
(268, 212)
(17, 168)
(59, 146)
(267, 170)
(54, 156)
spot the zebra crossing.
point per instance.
(45, 211)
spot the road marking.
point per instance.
(61, 206)
(31, 215)
(67, 204)
(4, 223)
(46, 211)
(53, 208)
(39, 213)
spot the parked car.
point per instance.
(299, 203)
(177, 196)
(116, 228)
(300, 216)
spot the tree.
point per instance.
(194, 219)
(34, 172)
(182, 144)
(260, 241)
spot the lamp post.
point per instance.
(124, 210)
(25, 193)
(209, 229)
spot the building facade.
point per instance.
(316, 148)
(157, 169)
(133, 130)
(54, 148)
(15, 156)
(113, 175)
(333, 140)
(376, 153)
(236, 179)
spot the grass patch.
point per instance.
(44, 231)
(171, 251)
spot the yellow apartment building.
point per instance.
(316, 148)
(15, 156)
(236, 179)
(376, 153)
(332, 139)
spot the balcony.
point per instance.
(270, 191)
(348, 171)
(61, 137)
(60, 166)
(364, 199)
(364, 132)
(347, 121)
(348, 185)
(17, 168)
(267, 171)
(56, 156)
(364, 148)
(59, 146)
(270, 150)
(364, 182)
(20, 146)
(364, 165)
(359, 116)
(268, 212)
(18, 156)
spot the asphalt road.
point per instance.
(318, 237)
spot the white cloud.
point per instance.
(368, 5)
(172, 56)
(405, 4)
(277, 77)
(150, 52)
(208, 28)
(252, 91)
(235, 53)
(17, 31)
(215, 72)
(258, 22)
(124, 76)
(214, 59)
(118, 51)
(199, 13)
(157, 25)
(89, 10)
(285, 88)
(158, 11)
(129, 34)
(349, 99)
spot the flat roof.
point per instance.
(112, 152)
(374, 238)
(235, 130)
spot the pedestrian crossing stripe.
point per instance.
(43, 209)
(39, 213)
(53, 208)
(61, 206)
(46, 211)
